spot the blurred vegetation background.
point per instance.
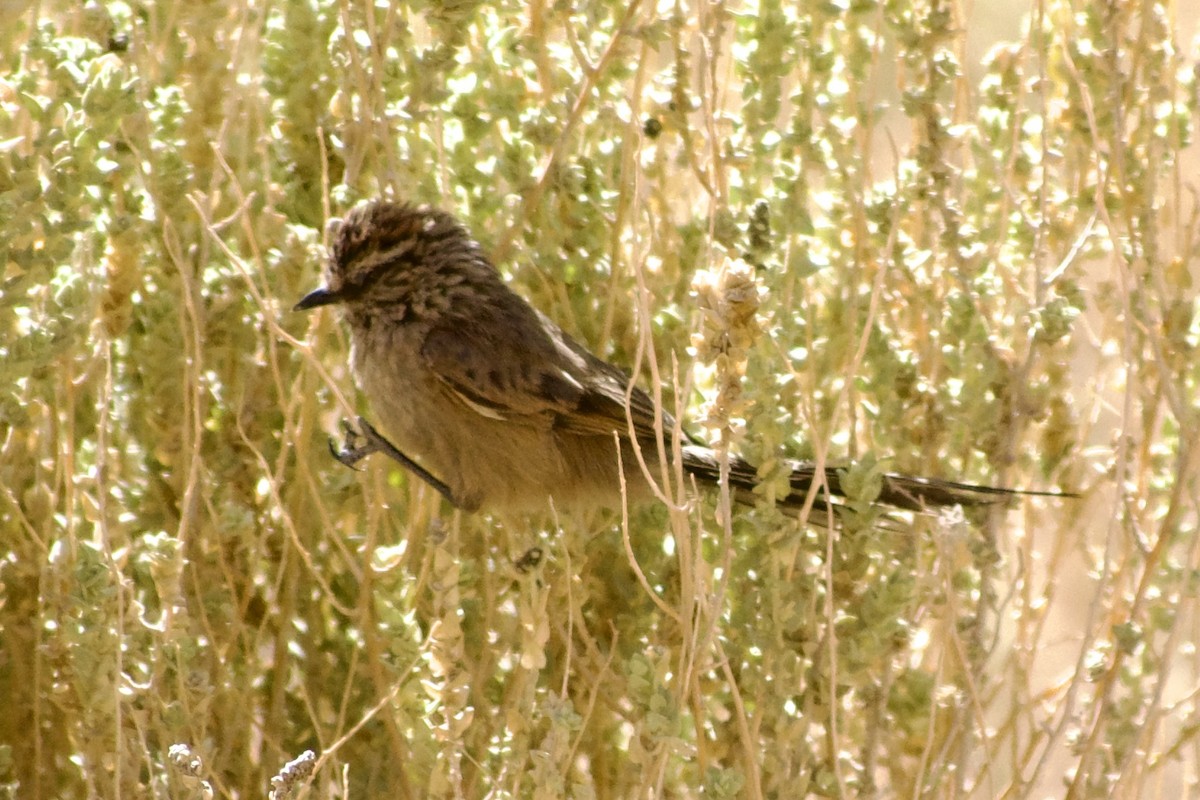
(862, 231)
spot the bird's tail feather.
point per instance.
(904, 492)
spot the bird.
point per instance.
(492, 404)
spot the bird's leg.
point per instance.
(361, 443)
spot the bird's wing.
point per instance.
(604, 399)
(507, 362)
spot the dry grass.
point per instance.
(828, 231)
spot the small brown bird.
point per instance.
(493, 404)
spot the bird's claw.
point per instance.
(365, 440)
(355, 445)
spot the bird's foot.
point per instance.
(360, 443)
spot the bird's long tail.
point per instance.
(897, 491)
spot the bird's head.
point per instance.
(395, 254)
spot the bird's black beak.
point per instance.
(317, 297)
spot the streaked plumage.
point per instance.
(492, 398)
